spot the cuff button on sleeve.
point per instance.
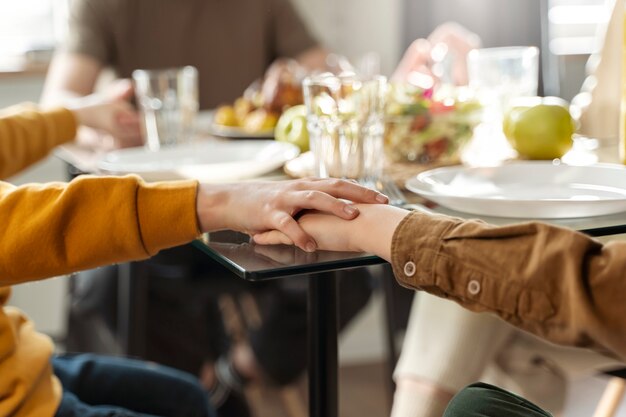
(409, 269)
(473, 287)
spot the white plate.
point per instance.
(527, 189)
(211, 161)
(204, 123)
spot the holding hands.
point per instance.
(372, 231)
(267, 210)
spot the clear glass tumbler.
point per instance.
(168, 100)
(498, 75)
(345, 123)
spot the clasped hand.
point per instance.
(372, 231)
(258, 208)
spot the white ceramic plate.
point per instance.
(527, 189)
(205, 124)
(212, 160)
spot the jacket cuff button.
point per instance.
(473, 287)
(409, 269)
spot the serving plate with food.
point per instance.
(207, 123)
(256, 113)
(424, 127)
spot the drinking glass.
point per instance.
(168, 101)
(345, 123)
(496, 77)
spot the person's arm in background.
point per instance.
(556, 283)
(28, 134)
(76, 67)
(448, 41)
(70, 75)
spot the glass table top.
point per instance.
(261, 262)
(258, 262)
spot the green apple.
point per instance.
(291, 127)
(539, 127)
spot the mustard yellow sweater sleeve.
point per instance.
(27, 135)
(57, 228)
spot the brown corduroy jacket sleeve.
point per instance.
(556, 283)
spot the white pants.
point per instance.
(453, 347)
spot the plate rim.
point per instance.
(427, 193)
(107, 166)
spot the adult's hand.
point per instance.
(423, 55)
(71, 82)
(258, 207)
(110, 114)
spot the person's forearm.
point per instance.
(55, 229)
(554, 282)
(69, 76)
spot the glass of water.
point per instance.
(168, 101)
(498, 75)
(345, 123)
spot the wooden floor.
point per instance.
(362, 392)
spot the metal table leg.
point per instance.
(388, 282)
(323, 390)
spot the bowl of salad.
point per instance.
(424, 127)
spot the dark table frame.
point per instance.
(323, 315)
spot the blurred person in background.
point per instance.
(447, 347)
(230, 43)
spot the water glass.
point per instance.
(168, 101)
(498, 75)
(345, 123)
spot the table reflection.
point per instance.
(255, 262)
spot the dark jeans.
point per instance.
(484, 400)
(184, 326)
(99, 386)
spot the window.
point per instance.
(574, 25)
(29, 29)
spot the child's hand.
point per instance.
(371, 231)
(330, 232)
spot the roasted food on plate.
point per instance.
(260, 106)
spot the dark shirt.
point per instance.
(231, 42)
